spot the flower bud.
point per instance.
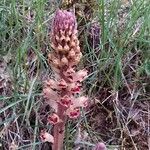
(64, 61)
(64, 25)
(71, 54)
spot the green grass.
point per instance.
(123, 60)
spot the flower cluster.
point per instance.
(66, 88)
(64, 41)
(64, 92)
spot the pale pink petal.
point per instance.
(80, 102)
(53, 104)
(46, 137)
(69, 73)
(73, 112)
(75, 87)
(50, 94)
(80, 75)
(51, 83)
(62, 84)
(51, 97)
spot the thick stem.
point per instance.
(59, 130)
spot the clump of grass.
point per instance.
(117, 78)
(119, 81)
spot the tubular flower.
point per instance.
(62, 84)
(65, 101)
(50, 93)
(51, 83)
(73, 113)
(53, 119)
(80, 75)
(76, 89)
(80, 102)
(46, 137)
(73, 76)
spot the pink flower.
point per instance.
(75, 87)
(53, 119)
(51, 97)
(51, 83)
(73, 112)
(80, 102)
(62, 84)
(80, 75)
(50, 94)
(65, 101)
(69, 72)
(62, 92)
(75, 76)
(46, 137)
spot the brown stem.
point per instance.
(59, 130)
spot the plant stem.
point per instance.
(59, 130)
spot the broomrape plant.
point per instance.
(64, 92)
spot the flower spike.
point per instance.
(63, 93)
